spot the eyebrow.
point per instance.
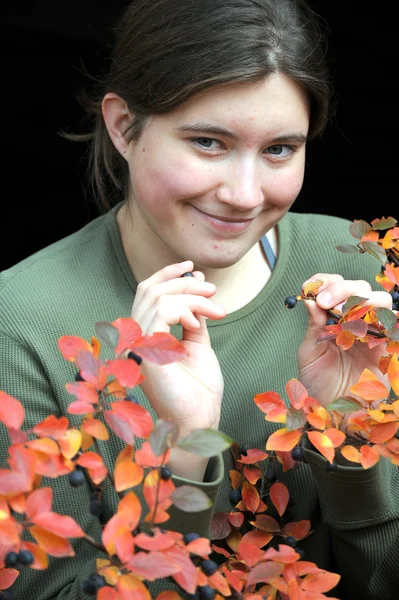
(216, 130)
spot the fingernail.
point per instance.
(325, 298)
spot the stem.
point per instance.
(376, 334)
(110, 477)
(157, 493)
(96, 544)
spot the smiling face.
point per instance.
(210, 178)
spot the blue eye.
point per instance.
(206, 143)
(281, 150)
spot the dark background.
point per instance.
(45, 47)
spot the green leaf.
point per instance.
(295, 419)
(190, 499)
(205, 442)
(343, 405)
(393, 334)
(352, 301)
(386, 317)
(375, 250)
(348, 249)
(108, 334)
(385, 223)
(163, 436)
(359, 228)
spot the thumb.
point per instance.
(310, 348)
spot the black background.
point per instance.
(45, 46)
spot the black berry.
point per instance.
(331, 322)
(76, 478)
(25, 557)
(78, 377)
(4, 595)
(244, 451)
(93, 583)
(331, 466)
(209, 567)
(135, 357)
(206, 592)
(195, 596)
(235, 496)
(290, 541)
(11, 559)
(95, 507)
(290, 301)
(297, 453)
(190, 537)
(188, 274)
(165, 473)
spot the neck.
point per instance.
(236, 285)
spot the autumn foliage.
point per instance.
(263, 562)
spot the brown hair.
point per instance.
(166, 51)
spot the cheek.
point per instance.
(285, 186)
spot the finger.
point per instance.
(183, 309)
(200, 336)
(169, 272)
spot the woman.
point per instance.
(200, 139)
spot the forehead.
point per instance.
(276, 101)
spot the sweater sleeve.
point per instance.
(361, 508)
(24, 376)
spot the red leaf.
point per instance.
(60, 525)
(187, 577)
(51, 427)
(7, 577)
(95, 466)
(249, 553)
(153, 565)
(140, 419)
(236, 518)
(120, 425)
(250, 496)
(279, 495)
(296, 392)
(264, 572)
(298, 530)
(127, 372)
(129, 332)
(12, 413)
(382, 432)
(161, 541)
(159, 348)
(38, 501)
(320, 582)
(70, 346)
(252, 456)
(51, 544)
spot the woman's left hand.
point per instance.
(326, 370)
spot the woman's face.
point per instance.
(211, 177)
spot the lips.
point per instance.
(222, 223)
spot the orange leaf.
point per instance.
(40, 559)
(253, 455)
(264, 572)
(116, 389)
(351, 453)
(279, 495)
(129, 332)
(200, 547)
(369, 387)
(12, 413)
(298, 530)
(368, 456)
(320, 582)
(284, 554)
(95, 466)
(168, 596)
(70, 346)
(84, 391)
(95, 428)
(130, 587)
(124, 544)
(345, 339)
(250, 496)
(127, 475)
(50, 543)
(70, 443)
(107, 593)
(249, 553)
(382, 432)
(153, 565)
(282, 439)
(59, 525)
(131, 505)
(393, 373)
(266, 401)
(257, 537)
(236, 518)
(323, 444)
(336, 436)
(45, 445)
(51, 427)
(159, 540)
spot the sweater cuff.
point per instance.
(352, 497)
(198, 522)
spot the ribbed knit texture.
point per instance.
(67, 287)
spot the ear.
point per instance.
(117, 119)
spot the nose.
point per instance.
(242, 187)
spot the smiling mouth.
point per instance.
(224, 224)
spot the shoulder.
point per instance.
(54, 279)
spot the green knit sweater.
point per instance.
(67, 287)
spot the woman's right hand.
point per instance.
(189, 392)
